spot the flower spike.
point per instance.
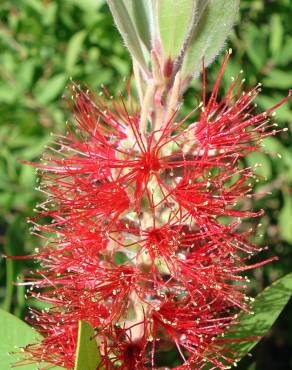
(136, 245)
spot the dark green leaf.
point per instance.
(266, 307)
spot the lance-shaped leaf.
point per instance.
(175, 19)
(141, 13)
(15, 334)
(214, 22)
(266, 307)
(87, 354)
(128, 31)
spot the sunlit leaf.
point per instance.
(175, 18)
(256, 45)
(276, 37)
(73, 50)
(87, 354)
(262, 163)
(215, 23)
(15, 334)
(51, 89)
(141, 12)
(285, 219)
(127, 30)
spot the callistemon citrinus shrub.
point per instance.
(136, 245)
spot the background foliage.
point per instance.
(45, 42)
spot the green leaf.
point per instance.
(10, 264)
(25, 74)
(256, 45)
(35, 147)
(285, 55)
(252, 366)
(73, 51)
(285, 219)
(87, 354)
(36, 6)
(284, 113)
(14, 333)
(279, 79)
(9, 285)
(175, 18)
(267, 307)
(264, 169)
(276, 38)
(88, 5)
(214, 24)
(141, 12)
(127, 31)
(47, 91)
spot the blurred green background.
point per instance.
(43, 43)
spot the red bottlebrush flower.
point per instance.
(136, 246)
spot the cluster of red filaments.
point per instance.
(136, 245)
